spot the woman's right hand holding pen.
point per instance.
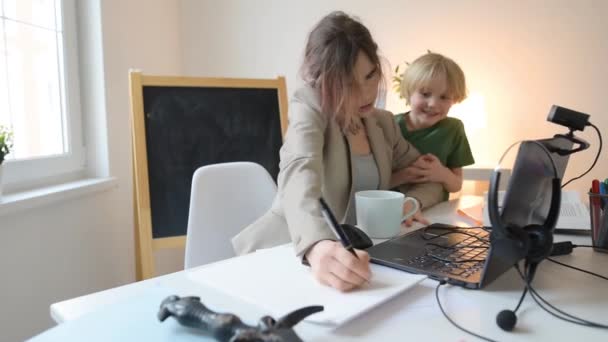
(333, 265)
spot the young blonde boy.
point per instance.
(431, 85)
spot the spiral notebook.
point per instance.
(275, 281)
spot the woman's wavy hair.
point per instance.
(329, 58)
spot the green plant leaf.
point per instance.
(6, 142)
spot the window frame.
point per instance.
(25, 174)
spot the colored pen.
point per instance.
(603, 192)
(606, 188)
(595, 202)
(595, 188)
(335, 226)
(602, 239)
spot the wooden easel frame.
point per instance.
(145, 244)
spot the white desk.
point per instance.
(415, 315)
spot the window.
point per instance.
(39, 97)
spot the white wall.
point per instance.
(81, 246)
(521, 56)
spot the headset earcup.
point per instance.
(521, 236)
(540, 242)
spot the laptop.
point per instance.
(473, 257)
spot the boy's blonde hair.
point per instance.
(429, 66)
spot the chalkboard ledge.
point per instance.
(19, 201)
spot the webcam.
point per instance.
(575, 121)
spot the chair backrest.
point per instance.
(225, 198)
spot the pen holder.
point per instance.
(598, 208)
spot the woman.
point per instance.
(334, 129)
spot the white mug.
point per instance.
(380, 212)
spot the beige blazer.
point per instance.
(315, 161)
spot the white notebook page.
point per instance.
(275, 281)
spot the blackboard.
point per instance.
(181, 124)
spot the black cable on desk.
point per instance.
(562, 314)
(453, 230)
(578, 269)
(443, 282)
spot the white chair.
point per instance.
(225, 198)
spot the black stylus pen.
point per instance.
(335, 226)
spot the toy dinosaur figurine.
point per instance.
(189, 311)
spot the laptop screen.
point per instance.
(528, 196)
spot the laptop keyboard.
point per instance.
(461, 259)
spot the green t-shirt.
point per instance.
(446, 140)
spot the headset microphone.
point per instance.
(506, 320)
(535, 240)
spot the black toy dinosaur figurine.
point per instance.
(226, 327)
